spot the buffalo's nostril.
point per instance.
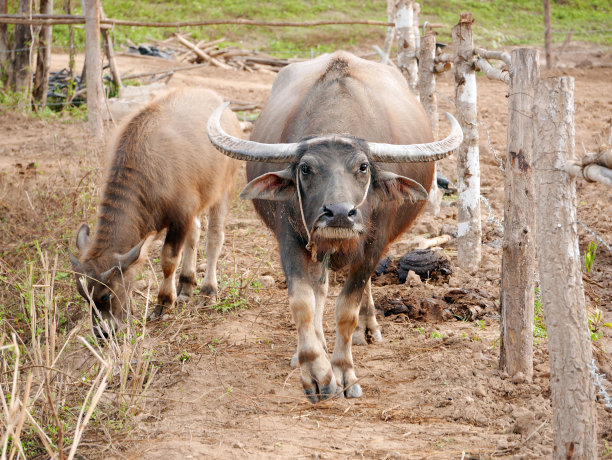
(327, 212)
(352, 212)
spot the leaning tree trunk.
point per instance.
(559, 262)
(41, 80)
(21, 79)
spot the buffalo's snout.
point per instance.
(339, 215)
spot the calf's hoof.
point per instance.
(157, 313)
(208, 295)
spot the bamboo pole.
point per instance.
(518, 257)
(406, 44)
(93, 65)
(45, 40)
(559, 262)
(386, 49)
(469, 230)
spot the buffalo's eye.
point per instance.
(105, 298)
(364, 167)
(305, 169)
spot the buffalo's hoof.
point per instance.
(354, 391)
(376, 336)
(359, 337)
(325, 392)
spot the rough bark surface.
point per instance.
(406, 41)
(21, 78)
(518, 257)
(45, 37)
(93, 64)
(469, 230)
(569, 345)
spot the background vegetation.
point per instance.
(498, 22)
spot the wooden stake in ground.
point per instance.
(469, 231)
(518, 258)
(427, 94)
(21, 75)
(559, 263)
(45, 40)
(93, 64)
(406, 44)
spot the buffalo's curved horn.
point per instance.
(432, 151)
(241, 149)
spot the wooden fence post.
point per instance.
(21, 75)
(427, 94)
(559, 262)
(518, 257)
(406, 45)
(5, 52)
(45, 40)
(469, 230)
(93, 64)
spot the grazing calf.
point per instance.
(162, 173)
(340, 162)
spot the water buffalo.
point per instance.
(355, 150)
(162, 173)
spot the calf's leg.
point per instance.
(170, 256)
(187, 280)
(215, 236)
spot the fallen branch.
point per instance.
(201, 53)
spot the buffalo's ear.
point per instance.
(82, 239)
(391, 186)
(276, 186)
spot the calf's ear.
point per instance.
(276, 186)
(391, 186)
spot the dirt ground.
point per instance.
(432, 389)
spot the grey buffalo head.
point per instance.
(332, 175)
(106, 287)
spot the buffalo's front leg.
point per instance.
(347, 316)
(367, 319)
(318, 378)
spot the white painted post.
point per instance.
(406, 44)
(559, 263)
(518, 257)
(469, 231)
(93, 66)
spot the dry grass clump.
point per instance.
(59, 387)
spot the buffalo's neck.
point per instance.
(122, 222)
